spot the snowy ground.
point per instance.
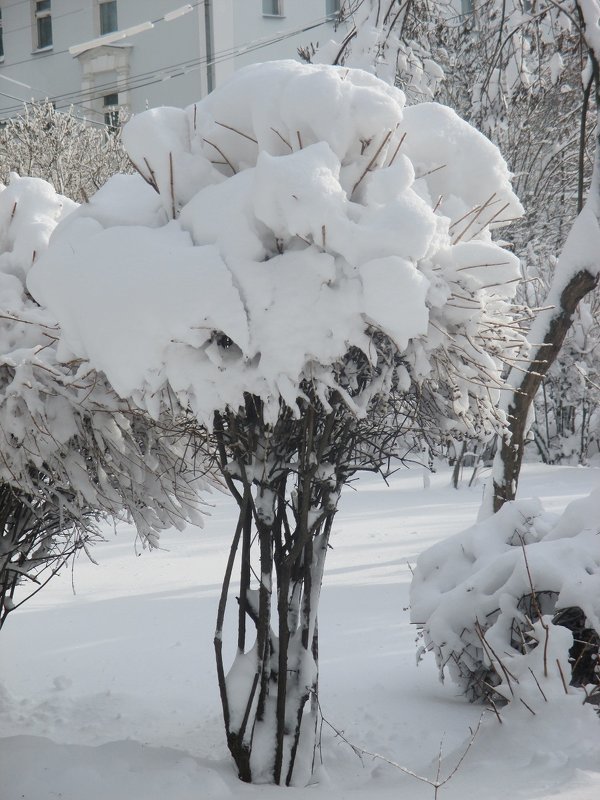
(110, 694)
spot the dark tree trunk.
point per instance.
(286, 510)
(512, 445)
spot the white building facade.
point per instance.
(102, 55)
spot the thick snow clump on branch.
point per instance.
(67, 440)
(280, 223)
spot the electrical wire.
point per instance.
(155, 76)
(53, 53)
(6, 32)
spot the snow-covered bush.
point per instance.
(308, 270)
(71, 451)
(73, 155)
(499, 603)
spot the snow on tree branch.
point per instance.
(590, 12)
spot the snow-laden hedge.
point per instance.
(494, 603)
(284, 219)
(66, 437)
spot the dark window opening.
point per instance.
(272, 8)
(43, 24)
(108, 17)
(111, 111)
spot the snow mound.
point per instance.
(511, 607)
(287, 219)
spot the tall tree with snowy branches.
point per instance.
(576, 274)
(510, 68)
(306, 290)
(396, 40)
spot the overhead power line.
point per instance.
(133, 30)
(6, 32)
(53, 53)
(169, 72)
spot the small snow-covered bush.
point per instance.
(71, 452)
(308, 270)
(493, 602)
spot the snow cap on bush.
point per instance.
(289, 217)
(486, 598)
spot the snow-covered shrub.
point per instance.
(73, 155)
(71, 451)
(309, 271)
(499, 603)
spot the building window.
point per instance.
(108, 16)
(332, 9)
(43, 24)
(111, 110)
(272, 8)
(1, 37)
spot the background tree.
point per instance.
(543, 569)
(398, 42)
(514, 71)
(567, 422)
(73, 155)
(576, 274)
(306, 288)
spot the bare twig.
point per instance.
(172, 185)
(538, 684)
(529, 708)
(562, 676)
(537, 608)
(285, 141)
(436, 783)
(235, 130)
(372, 161)
(153, 182)
(221, 153)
